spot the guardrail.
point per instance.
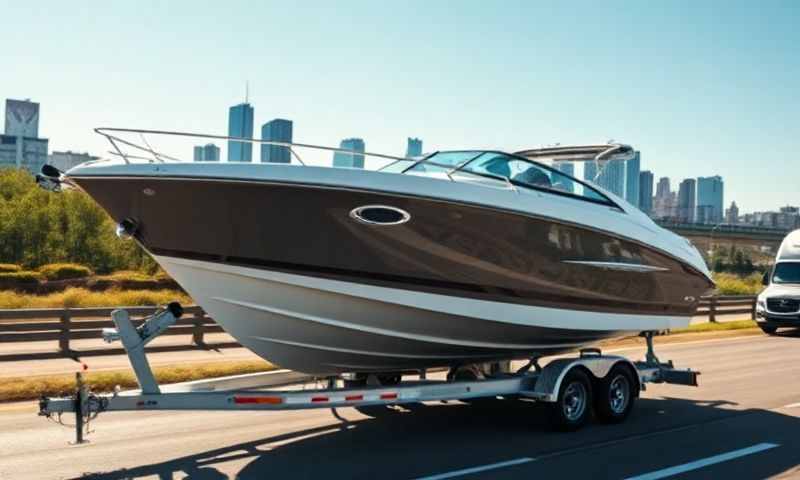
(727, 305)
(65, 325)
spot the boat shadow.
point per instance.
(424, 439)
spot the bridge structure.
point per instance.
(707, 237)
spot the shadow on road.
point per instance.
(419, 440)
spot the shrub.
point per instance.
(729, 284)
(22, 278)
(64, 271)
(9, 268)
(80, 297)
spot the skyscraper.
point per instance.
(686, 200)
(632, 168)
(646, 192)
(206, 153)
(612, 176)
(414, 147)
(22, 118)
(277, 130)
(568, 168)
(710, 199)
(240, 124)
(732, 215)
(21, 146)
(664, 201)
(352, 160)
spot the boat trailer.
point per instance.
(572, 386)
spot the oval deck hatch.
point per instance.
(380, 215)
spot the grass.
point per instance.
(64, 271)
(9, 268)
(730, 284)
(21, 277)
(81, 297)
(14, 389)
(716, 327)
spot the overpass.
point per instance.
(704, 236)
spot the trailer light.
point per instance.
(354, 398)
(319, 399)
(251, 400)
(388, 396)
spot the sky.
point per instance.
(699, 87)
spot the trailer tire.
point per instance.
(615, 395)
(573, 408)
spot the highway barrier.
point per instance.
(63, 325)
(67, 324)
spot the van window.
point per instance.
(786, 272)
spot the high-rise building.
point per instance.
(414, 147)
(240, 124)
(66, 160)
(663, 187)
(646, 191)
(686, 200)
(710, 199)
(632, 169)
(277, 130)
(352, 160)
(611, 178)
(568, 168)
(732, 214)
(22, 118)
(21, 146)
(206, 153)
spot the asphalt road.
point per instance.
(742, 422)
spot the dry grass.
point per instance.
(730, 284)
(717, 327)
(29, 388)
(64, 271)
(81, 297)
(9, 268)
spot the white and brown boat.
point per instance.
(454, 258)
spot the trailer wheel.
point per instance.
(574, 405)
(615, 395)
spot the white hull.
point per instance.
(317, 325)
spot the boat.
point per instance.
(453, 258)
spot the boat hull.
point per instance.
(325, 326)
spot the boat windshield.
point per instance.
(517, 171)
(786, 272)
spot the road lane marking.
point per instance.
(482, 468)
(704, 462)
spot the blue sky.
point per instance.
(701, 88)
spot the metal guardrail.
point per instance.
(65, 325)
(727, 305)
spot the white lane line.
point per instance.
(482, 468)
(704, 462)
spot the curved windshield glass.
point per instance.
(786, 272)
(525, 173)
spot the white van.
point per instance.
(779, 304)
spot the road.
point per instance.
(742, 422)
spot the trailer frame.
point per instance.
(242, 393)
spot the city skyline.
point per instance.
(697, 98)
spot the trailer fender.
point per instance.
(549, 381)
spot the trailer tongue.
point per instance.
(573, 387)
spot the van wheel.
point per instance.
(615, 395)
(574, 405)
(769, 330)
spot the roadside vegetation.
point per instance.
(39, 228)
(81, 297)
(731, 284)
(32, 387)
